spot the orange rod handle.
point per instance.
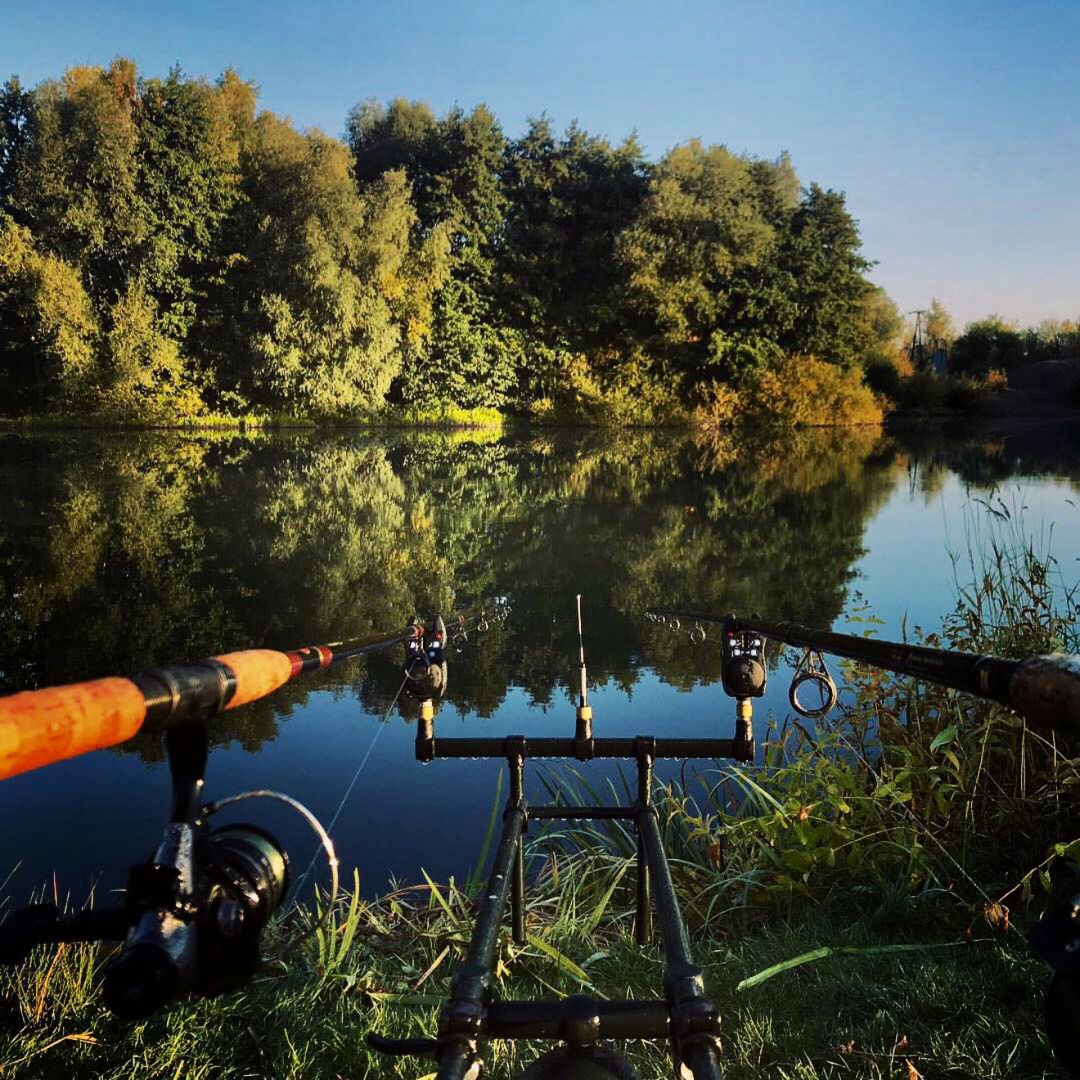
(258, 672)
(38, 727)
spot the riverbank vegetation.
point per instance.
(965, 373)
(170, 252)
(851, 902)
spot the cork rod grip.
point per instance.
(38, 727)
(258, 672)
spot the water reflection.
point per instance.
(124, 550)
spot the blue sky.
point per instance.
(953, 127)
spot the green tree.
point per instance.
(454, 165)
(883, 327)
(570, 199)
(187, 181)
(326, 292)
(822, 254)
(182, 251)
(142, 373)
(989, 344)
(15, 106)
(939, 325)
(401, 135)
(764, 295)
(49, 327)
(699, 226)
(74, 179)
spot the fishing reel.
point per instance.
(193, 914)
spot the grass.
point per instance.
(848, 898)
(948, 1006)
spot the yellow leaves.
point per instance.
(417, 330)
(432, 967)
(39, 1007)
(54, 309)
(85, 1037)
(81, 76)
(123, 77)
(997, 915)
(421, 520)
(800, 392)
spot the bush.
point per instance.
(923, 390)
(928, 392)
(883, 378)
(966, 394)
(800, 392)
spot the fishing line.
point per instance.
(352, 784)
(919, 823)
(482, 624)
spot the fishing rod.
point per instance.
(1045, 690)
(192, 915)
(40, 727)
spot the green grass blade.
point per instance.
(562, 960)
(837, 950)
(605, 899)
(476, 879)
(437, 894)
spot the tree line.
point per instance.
(168, 250)
(992, 344)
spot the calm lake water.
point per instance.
(119, 551)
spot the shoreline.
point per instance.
(993, 422)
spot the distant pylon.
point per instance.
(917, 350)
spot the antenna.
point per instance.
(583, 700)
(584, 731)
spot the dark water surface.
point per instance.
(122, 550)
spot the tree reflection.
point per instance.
(126, 551)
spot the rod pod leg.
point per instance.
(694, 1020)
(463, 1017)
